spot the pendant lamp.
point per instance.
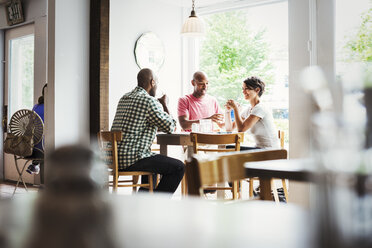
(193, 26)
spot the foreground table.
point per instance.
(157, 221)
(293, 169)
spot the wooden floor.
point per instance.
(7, 188)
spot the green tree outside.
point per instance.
(359, 46)
(230, 53)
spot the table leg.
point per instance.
(265, 189)
(163, 149)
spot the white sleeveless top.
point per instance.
(264, 131)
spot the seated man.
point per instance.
(139, 116)
(198, 105)
(38, 150)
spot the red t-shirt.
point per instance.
(198, 108)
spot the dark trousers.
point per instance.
(170, 169)
(38, 155)
(243, 148)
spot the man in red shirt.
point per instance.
(198, 105)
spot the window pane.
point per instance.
(353, 34)
(249, 42)
(21, 74)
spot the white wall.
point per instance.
(67, 120)
(128, 20)
(309, 20)
(299, 103)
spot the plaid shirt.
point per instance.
(139, 116)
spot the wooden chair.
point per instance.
(108, 144)
(275, 192)
(221, 140)
(217, 168)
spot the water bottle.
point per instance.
(232, 115)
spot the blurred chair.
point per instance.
(273, 186)
(217, 168)
(26, 122)
(108, 144)
(71, 210)
(221, 140)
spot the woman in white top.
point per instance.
(257, 119)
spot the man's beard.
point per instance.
(152, 92)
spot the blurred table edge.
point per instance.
(302, 170)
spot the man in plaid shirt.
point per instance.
(139, 116)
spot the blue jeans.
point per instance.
(170, 169)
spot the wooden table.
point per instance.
(293, 169)
(176, 139)
(179, 139)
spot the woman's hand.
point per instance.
(231, 104)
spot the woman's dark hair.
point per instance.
(254, 82)
(41, 98)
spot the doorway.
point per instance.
(18, 84)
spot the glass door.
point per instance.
(20, 73)
(19, 83)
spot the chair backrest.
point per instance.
(27, 122)
(218, 168)
(108, 145)
(216, 139)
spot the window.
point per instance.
(353, 34)
(21, 74)
(248, 42)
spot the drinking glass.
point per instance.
(206, 126)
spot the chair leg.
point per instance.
(250, 187)
(115, 179)
(151, 184)
(135, 181)
(184, 186)
(183, 181)
(157, 180)
(235, 190)
(285, 190)
(275, 190)
(20, 173)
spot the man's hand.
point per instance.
(164, 102)
(218, 118)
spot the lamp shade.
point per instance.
(193, 26)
